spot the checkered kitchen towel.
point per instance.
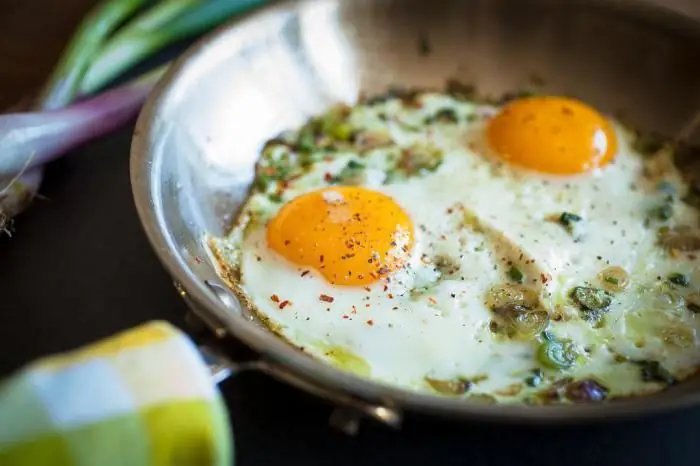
(141, 398)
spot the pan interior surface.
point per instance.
(199, 137)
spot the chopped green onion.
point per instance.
(517, 321)
(679, 279)
(591, 298)
(557, 354)
(351, 174)
(515, 274)
(445, 115)
(567, 218)
(653, 371)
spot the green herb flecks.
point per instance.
(277, 164)
(275, 197)
(418, 160)
(535, 379)
(516, 275)
(567, 219)
(306, 141)
(326, 132)
(352, 174)
(572, 223)
(444, 115)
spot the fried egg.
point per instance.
(525, 251)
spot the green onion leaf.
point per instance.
(62, 87)
(142, 41)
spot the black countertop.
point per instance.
(78, 268)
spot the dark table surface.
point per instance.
(78, 268)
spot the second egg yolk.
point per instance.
(350, 235)
(556, 135)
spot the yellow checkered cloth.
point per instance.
(140, 398)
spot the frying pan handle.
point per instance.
(349, 409)
(348, 413)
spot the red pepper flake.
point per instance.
(305, 273)
(370, 322)
(368, 289)
(328, 177)
(284, 304)
(275, 298)
(326, 299)
(432, 300)
(391, 296)
(545, 277)
(345, 316)
(386, 287)
(367, 305)
(197, 260)
(354, 309)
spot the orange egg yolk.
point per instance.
(351, 235)
(556, 135)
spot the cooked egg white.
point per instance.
(478, 220)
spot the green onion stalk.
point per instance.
(113, 37)
(162, 26)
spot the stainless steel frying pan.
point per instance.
(199, 135)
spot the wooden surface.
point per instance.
(79, 268)
(32, 35)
